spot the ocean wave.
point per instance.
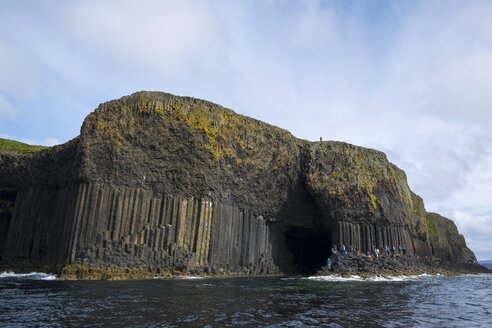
(180, 277)
(28, 276)
(191, 277)
(337, 278)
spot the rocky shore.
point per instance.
(349, 266)
(393, 265)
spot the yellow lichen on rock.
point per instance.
(373, 200)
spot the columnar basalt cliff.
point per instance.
(161, 184)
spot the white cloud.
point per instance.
(314, 27)
(6, 109)
(20, 71)
(51, 141)
(161, 36)
(478, 232)
(477, 189)
(466, 89)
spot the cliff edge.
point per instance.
(160, 184)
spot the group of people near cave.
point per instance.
(386, 251)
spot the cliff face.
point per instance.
(448, 246)
(159, 183)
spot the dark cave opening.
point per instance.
(310, 248)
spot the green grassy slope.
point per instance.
(13, 146)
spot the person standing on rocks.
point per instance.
(343, 250)
(376, 252)
(329, 263)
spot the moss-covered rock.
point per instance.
(448, 245)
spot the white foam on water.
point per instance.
(28, 276)
(290, 278)
(337, 278)
(191, 277)
(181, 277)
(393, 278)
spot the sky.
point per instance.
(411, 78)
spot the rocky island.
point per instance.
(163, 185)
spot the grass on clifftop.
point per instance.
(13, 146)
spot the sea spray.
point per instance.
(28, 276)
(351, 278)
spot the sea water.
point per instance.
(37, 300)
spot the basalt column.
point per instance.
(134, 228)
(367, 237)
(38, 228)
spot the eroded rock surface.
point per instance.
(163, 184)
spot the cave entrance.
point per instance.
(310, 248)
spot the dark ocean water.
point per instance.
(34, 301)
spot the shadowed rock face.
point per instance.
(161, 183)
